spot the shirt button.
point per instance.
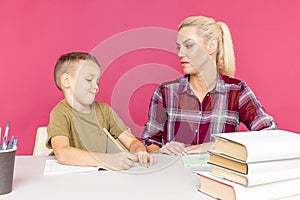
(200, 112)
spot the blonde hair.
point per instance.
(209, 29)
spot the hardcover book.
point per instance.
(257, 146)
(226, 190)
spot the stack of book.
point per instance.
(257, 164)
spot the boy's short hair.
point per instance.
(63, 64)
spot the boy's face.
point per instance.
(84, 86)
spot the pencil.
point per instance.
(113, 140)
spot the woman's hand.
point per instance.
(173, 148)
(200, 148)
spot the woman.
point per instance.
(184, 113)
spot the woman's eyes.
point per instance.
(188, 46)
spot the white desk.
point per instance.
(171, 183)
(174, 182)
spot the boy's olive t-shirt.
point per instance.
(84, 130)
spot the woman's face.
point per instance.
(192, 51)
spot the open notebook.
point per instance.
(52, 167)
(196, 162)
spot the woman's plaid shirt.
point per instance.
(175, 112)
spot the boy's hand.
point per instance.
(145, 159)
(117, 161)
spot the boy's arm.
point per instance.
(73, 156)
(131, 142)
(136, 146)
(153, 148)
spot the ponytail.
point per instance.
(225, 54)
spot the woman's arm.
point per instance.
(252, 113)
(157, 116)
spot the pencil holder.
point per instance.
(7, 162)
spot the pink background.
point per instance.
(33, 34)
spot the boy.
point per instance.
(75, 130)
